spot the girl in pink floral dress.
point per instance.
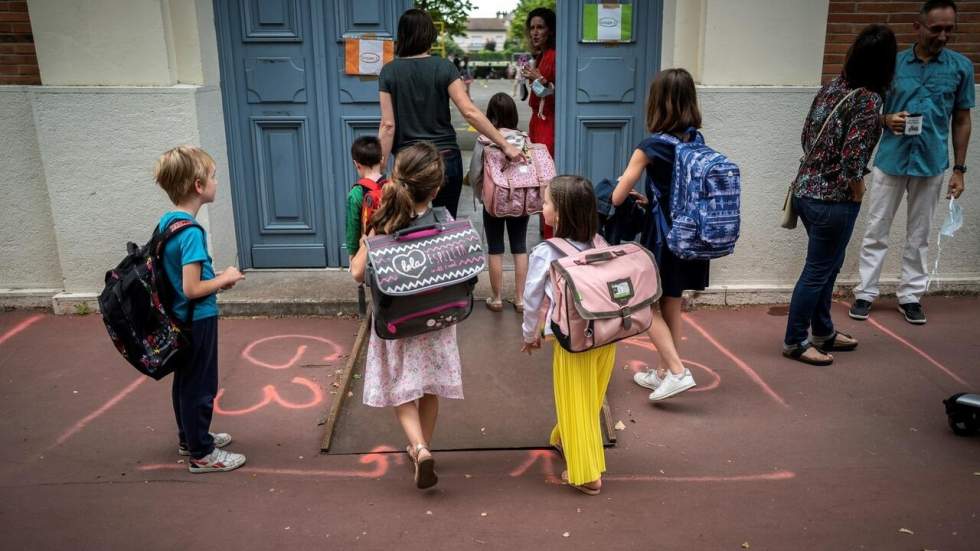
(410, 374)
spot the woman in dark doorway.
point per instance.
(540, 28)
(415, 91)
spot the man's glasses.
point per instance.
(936, 29)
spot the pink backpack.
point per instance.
(515, 189)
(602, 294)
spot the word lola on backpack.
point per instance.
(512, 189)
(422, 277)
(136, 307)
(705, 200)
(603, 294)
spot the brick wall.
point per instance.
(18, 59)
(846, 19)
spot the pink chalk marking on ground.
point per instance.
(20, 327)
(751, 373)
(300, 351)
(270, 394)
(546, 457)
(95, 414)
(912, 347)
(379, 456)
(636, 366)
(779, 475)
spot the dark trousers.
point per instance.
(828, 226)
(195, 386)
(452, 185)
(516, 233)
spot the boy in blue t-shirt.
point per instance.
(186, 173)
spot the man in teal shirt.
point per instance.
(933, 86)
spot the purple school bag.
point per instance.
(602, 294)
(422, 277)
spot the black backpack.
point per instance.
(422, 277)
(137, 307)
(618, 224)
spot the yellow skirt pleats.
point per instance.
(580, 381)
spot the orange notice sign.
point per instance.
(366, 56)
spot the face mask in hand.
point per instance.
(954, 219)
(541, 90)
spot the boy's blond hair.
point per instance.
(177, 170)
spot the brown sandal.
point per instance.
(425, 468)
(519, 306)
(587, 490)
(495, 305)
(837, 344)
(797, 353)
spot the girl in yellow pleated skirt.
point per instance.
(580, 379)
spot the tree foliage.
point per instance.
(515, 36)
(452, 13)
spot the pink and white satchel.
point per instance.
(603, 294)
(515, 189)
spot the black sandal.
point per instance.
(796, 353)
(831, 343)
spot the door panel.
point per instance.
(275, 80)
(602, 118)
(356, 97)
(282, 157)
(291, 115)
(271, 21)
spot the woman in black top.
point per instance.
(415, 90)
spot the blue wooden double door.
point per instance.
(291, 113)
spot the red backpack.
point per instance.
(372, 198)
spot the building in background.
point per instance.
(481, 31)
(261, 85)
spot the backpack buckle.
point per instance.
(625, 312)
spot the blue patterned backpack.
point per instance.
(705, 200)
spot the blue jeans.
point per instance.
(828, 226)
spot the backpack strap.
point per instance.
(370, 184)
(666, 138)
(441, 214)
(172, 229)
(694, 135)
(565, 247)
(161, 239)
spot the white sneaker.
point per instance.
(221, 439)
(673, 385)
(216, 461)
(648, 379)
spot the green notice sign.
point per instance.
(607, 23)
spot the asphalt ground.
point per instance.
(765, 453)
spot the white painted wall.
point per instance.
(683, 35)
(28, 250)
(764, 42)
(102, 42)
(749, 42)
(87, 151)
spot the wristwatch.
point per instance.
(960, 168)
